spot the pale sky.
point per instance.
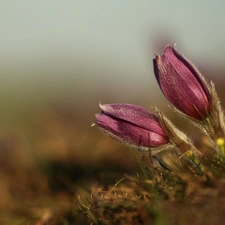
(120, 34)
(113, 26)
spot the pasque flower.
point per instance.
(132, 125)
(182, 84)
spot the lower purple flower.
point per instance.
(132, 125)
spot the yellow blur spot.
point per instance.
(221, 144)
(220, 141)
(189, 154)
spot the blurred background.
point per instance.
(59, 59)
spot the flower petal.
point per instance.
(135, 115)
(128, 133)
(182, 84)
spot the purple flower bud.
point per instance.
(182, 84)
(131, 124)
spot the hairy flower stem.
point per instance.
(181, 142)
(217, 120)
(214, 125)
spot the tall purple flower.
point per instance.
(131, 124)
(182, 84)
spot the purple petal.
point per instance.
(135, 115)
(182, 84)
(125, 132)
